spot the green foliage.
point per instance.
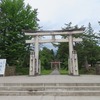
(22, 70)
(46, 56)
(92, 71)
(88, 50)
(62, 54)
(46, 72)
(15, 16)
(63, 71)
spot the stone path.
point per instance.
(55, 72)
(51, 79)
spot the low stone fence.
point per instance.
(10, 70)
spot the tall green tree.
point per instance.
(88, 49)
(46, 56)
(15, 16)
(62, 54)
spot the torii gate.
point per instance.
(55, 63)
(34, 56)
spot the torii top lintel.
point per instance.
(54, 32)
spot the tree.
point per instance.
(88, 49)
(15, 16)
(62, 54)
(46, 56)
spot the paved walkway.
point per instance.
(55, 72)
(51, 79)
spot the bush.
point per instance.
(22, 71)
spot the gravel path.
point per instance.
(55, 72)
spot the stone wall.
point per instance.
(98, 68)
(10, 71)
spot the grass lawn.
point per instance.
(63, 71)
(45, 72)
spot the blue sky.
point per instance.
(53, 14)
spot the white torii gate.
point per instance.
(34, 56)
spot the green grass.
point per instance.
(63, 71)
(45, 72)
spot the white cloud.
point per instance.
(53, 14)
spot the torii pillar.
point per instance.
(70, 54)
(73, 60)
(37, 54)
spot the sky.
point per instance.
(54, 14)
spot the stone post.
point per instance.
(51, 65)
(59, 65)
(32, 63)
(69, 66)
(75, 63)
(39, 67)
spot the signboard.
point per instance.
(2, 66)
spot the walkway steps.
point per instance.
(49, 84)
(49, 93)
(49, 89)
